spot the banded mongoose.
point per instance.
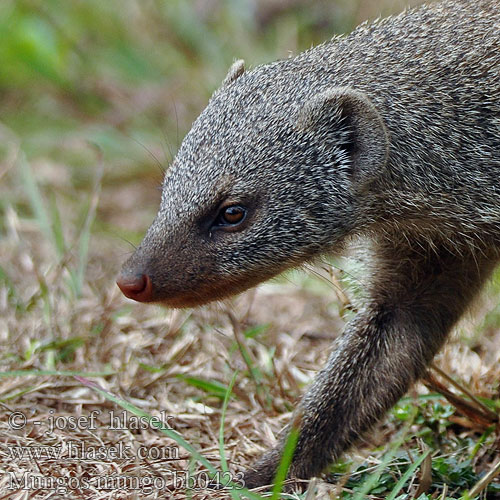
(392, 134)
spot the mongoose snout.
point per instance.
(136, 286)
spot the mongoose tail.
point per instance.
(391, 134)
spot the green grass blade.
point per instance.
(56, 226)
(36, 202)
(84, 240)
(286, 460)
(222, 452)
(211, 387)
(399, 485)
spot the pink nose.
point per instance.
(137, 287)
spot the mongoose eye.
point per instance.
(231, 215)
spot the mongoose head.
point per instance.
(270, 175)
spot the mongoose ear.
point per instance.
(235, 71)
(346, 118)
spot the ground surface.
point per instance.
(94, 99)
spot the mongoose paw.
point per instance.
(262, 473)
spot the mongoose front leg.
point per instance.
(414, 299)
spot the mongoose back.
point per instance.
(390, 134)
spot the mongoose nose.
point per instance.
(136, 286)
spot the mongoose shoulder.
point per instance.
(391, 133)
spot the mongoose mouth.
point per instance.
(139, 287)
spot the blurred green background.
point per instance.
(116, 72)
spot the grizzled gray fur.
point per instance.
(391, 134)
